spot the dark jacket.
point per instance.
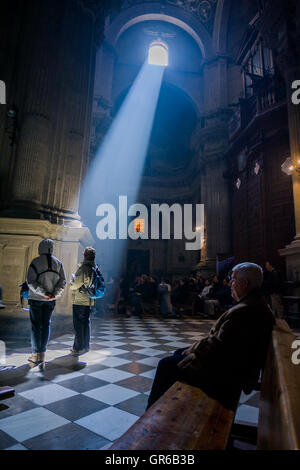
(230, 358)
(272, 282)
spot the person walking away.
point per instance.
(46, 281)
(82, 302)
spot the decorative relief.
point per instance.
(203, 9)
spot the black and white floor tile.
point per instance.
(88, 402)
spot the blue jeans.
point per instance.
(40, 316)
(81, 323)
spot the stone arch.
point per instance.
(155, 12)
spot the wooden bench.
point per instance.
(185, 418)
(279, 411)
(6, 392)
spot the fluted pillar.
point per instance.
(215, 197)
(50, 51)
(293, 75)
(52, 89)
(211, 142)
(36, 112)
(292, 251)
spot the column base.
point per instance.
(19, 241)
(292, 256)
(207, 267)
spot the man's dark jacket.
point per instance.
(230, 358)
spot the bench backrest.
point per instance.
(279, 414)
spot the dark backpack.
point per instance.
(96, 287)
(24, 291)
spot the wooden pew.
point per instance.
(279, 411)
(185, 418)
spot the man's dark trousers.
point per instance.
(167, 373)
(40, 315)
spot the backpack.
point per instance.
(96, 287)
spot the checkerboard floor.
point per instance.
(88, 402)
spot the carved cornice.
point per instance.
(204, 10)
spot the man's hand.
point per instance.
(186, 352)
(49, 296)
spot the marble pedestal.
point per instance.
(19, 240)
(292, 257)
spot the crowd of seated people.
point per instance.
(206, 297)
(214, 297)
(148, 294)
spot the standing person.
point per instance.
(82, 303)
(272, 288)
(122, 306)
(46, 281)
(165, 305)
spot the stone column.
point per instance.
(52, 88)
(212, 143)
(51, 65)
(215, 197)
(280, 28)
(293, 75)
(105, 62)
(292, 251)
(34, 140)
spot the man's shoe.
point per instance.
(42, 361)
(78, 353)
(83, 351)
(34, 358)
(74, 353)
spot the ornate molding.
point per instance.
(204, 10)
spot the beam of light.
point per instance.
(118, 165)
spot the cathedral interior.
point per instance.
(107, 104)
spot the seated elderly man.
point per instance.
(230, 358)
